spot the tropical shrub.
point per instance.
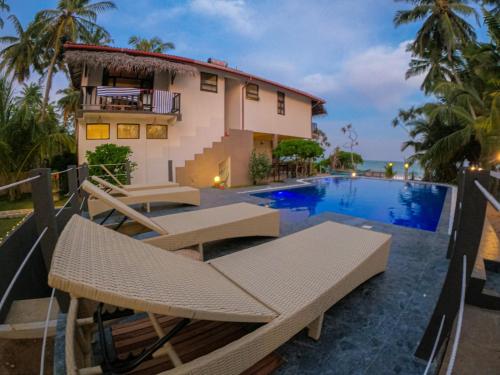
(259, 167)
(389, 170)
(117, 158)
(301, 151)
(345, 159)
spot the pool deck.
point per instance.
(376, 328)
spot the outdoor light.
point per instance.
(217, 179)
(390, 164)
(472, 168)
(407, 165)
(353, 174)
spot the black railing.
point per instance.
(137, 102)
(475, 191)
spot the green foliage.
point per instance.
(323, 165)
(27, 141)
(68, 104)
(109, 153)
(301, 151)
(298, 149)
(259, 167)
(345, 159)
(389, 170)
(70, 21)
(150, 45)
(462, 121)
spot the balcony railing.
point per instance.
(106, 98)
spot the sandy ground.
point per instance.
(22, 357)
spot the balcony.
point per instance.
(129, 99)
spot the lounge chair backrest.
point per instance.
(109, 185)
(105, 169)
(121, 207)
(91, 261)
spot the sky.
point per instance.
(345, 51)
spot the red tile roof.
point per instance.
(186, 60)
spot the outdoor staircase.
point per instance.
(201, 170)
(187, 148)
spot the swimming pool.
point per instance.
(409, 204)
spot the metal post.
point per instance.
(468, 238)
(73, 187)
(83, 174)
(127, 171)
(44, 212)
(458, 210)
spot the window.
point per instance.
(208, 82)
(156, 132)
(127, 131)
(97, 131)
(252, 91)
(281, 103)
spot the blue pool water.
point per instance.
(403, 203)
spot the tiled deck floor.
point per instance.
(375, 329)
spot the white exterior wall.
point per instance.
(204, 118)
(202, 124)
(262, 115)
(233, 104)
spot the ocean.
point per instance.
(398, 166)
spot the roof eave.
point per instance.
(186, 60)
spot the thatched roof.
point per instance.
(123, 62)
(141, 62)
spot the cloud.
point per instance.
(321, 83)
(235, 12)
(376, 77)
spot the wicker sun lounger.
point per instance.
(195, 228)
(132, 187)
(279, 288)
(180, 194)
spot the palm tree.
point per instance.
(25, 142)
(425, 132)
(97, 37)
(70, 21)
(3, 7)
(150, 45)
(68, 104)
(22, 53)
(443, 28)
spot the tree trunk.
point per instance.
(48, 84)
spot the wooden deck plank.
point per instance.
(197, 339)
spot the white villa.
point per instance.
(185, 120)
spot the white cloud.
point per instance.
(235, 12)
(321, 83)
(376, 77)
